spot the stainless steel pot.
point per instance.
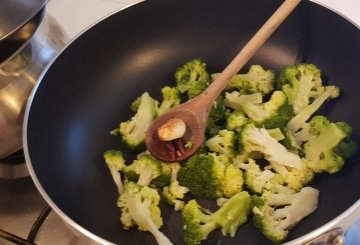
(20, 71)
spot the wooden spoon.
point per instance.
(195, 111)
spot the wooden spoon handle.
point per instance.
(249, 49)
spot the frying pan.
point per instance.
(88, 89)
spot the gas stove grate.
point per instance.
(33, 231)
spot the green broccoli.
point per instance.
(259, 180)
(232, 182)
(164, 178)
(311, 129)
(294, 178)
(276, 213)
(289, 141)
(204, 175)
(256, 139)
(192, 77)
(256, 80)
(235, 120)
(170, 99)
(302, 84)
(216, 116)
(256, 179)
(298, 121)
(115, 162)
(223, 142)
(347, 148)
(174, 192)
(328, 145)
(197, 88)
(140, 207)
(198, 225)
(133, 131)
(259, 117)
(144, 170)
(135, 104)
(275, 113)
(276, 133)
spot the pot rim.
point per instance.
(36, 20)
(24, 13)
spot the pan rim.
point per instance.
(344, 220)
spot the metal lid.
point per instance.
(15, 13)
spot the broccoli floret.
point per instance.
(257, 79)
(310, 130)
(274, 113)
(325, 144)
(133, 131)
(204, 175)
(298, 121)
(170, 99)
(290, 142)
(216, 116)
(232, 182)
(135, 104)
(259, 180)
(235, 120)
(250, 104)
(197, 88)
(325, 150)
(228, 218)
(143, 170)
(192, 77)
(256, 179)
(302, 84)
(276, 133)
(292, 177)
(164, 178)
(115, 162)
(276, 214)
(290, 166)
(256, 139)
(174, 192)
(347, 148)
(140, 207)
(223, 142)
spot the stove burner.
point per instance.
(13, 166)
(33, 232)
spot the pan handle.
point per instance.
(332, 237)
(341, 223)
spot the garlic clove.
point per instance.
(173, 129)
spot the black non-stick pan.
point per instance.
(89, 87)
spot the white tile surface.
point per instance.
(348, 8)
(76, 15)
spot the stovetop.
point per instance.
(25, 218)
(28, 218)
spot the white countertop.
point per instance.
(76, 15)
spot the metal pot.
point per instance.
(27, 51)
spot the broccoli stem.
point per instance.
(117, 178)
(298, 121)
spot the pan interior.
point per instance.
(89, 87)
